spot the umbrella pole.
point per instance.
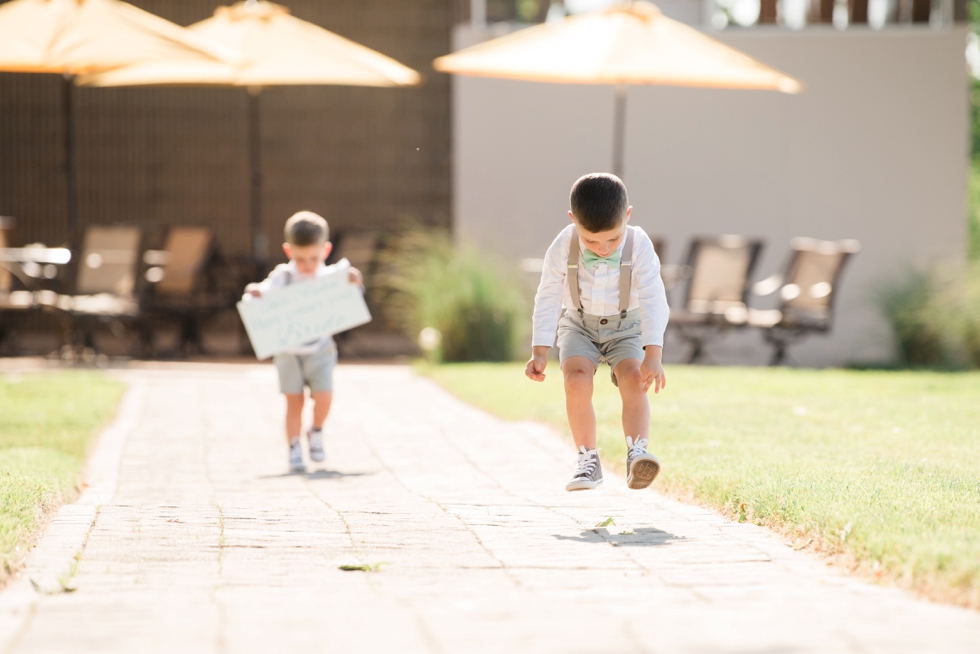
(67, 100)
(259, 244)
(619, 131)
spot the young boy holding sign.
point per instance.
(606, 275)
(310, 364)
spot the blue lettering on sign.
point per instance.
(303, 313)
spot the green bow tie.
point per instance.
(591, 259)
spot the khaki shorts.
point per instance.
(601, 338)
(313, 370)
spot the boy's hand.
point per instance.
(652, 370)
(253, 290)
(354, 276)
(539, 361)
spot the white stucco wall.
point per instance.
(876, 149)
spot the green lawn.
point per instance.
(880, 470)
(46, 424)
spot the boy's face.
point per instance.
(308, 257)
(603, 243)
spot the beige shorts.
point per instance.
(313, 370)
(601, 338)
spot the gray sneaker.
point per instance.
(641, 466)
(296, 456)
(588, 475)
(315, 438)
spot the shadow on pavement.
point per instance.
(641, 537)
(317, 474)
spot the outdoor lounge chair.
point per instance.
(6, 277)
(807, 290)
(671, 274)
(28, 279)
(719, 271)
(105, 283)
(668, 273)
(361, 249)
(179, 287)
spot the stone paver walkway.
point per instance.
(205, 545)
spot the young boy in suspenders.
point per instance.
(606, 276)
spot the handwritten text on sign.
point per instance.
(299, 313)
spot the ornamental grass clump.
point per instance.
(427, 283)
(935, 316)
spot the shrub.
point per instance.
(427, 282)
(935, 316)
(974, 213)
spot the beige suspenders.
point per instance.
(625, 273)
(573, 286)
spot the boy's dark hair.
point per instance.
(306, 228)
(599, 202)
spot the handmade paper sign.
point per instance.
(299, 313)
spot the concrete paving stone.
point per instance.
(204, 542)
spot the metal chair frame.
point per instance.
(697, 326)
(789, 329)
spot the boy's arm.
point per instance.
(539, 361)
(652, 369)
(355, 277)
(547, 309)
(548, 298)
(275, 279)
(654, 313)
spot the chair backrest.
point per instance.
(6, 241)
(359, 248)
(660, 247)
(812, 278)
(108, 260)
(187, 249)
(720, 270)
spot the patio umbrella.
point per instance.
(74, 37)
(629, 44)
(278, 49)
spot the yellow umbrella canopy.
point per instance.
(278, 49)
(81, 36)
(632, 44)
(629, 44)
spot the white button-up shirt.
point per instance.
(600, 289)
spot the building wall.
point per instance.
(362, 157)
(876, 149)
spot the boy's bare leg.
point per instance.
(579, 373)
(636, 406)
(321, 407)
(294, 415)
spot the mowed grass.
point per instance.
(46, 424)
(880, 470)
